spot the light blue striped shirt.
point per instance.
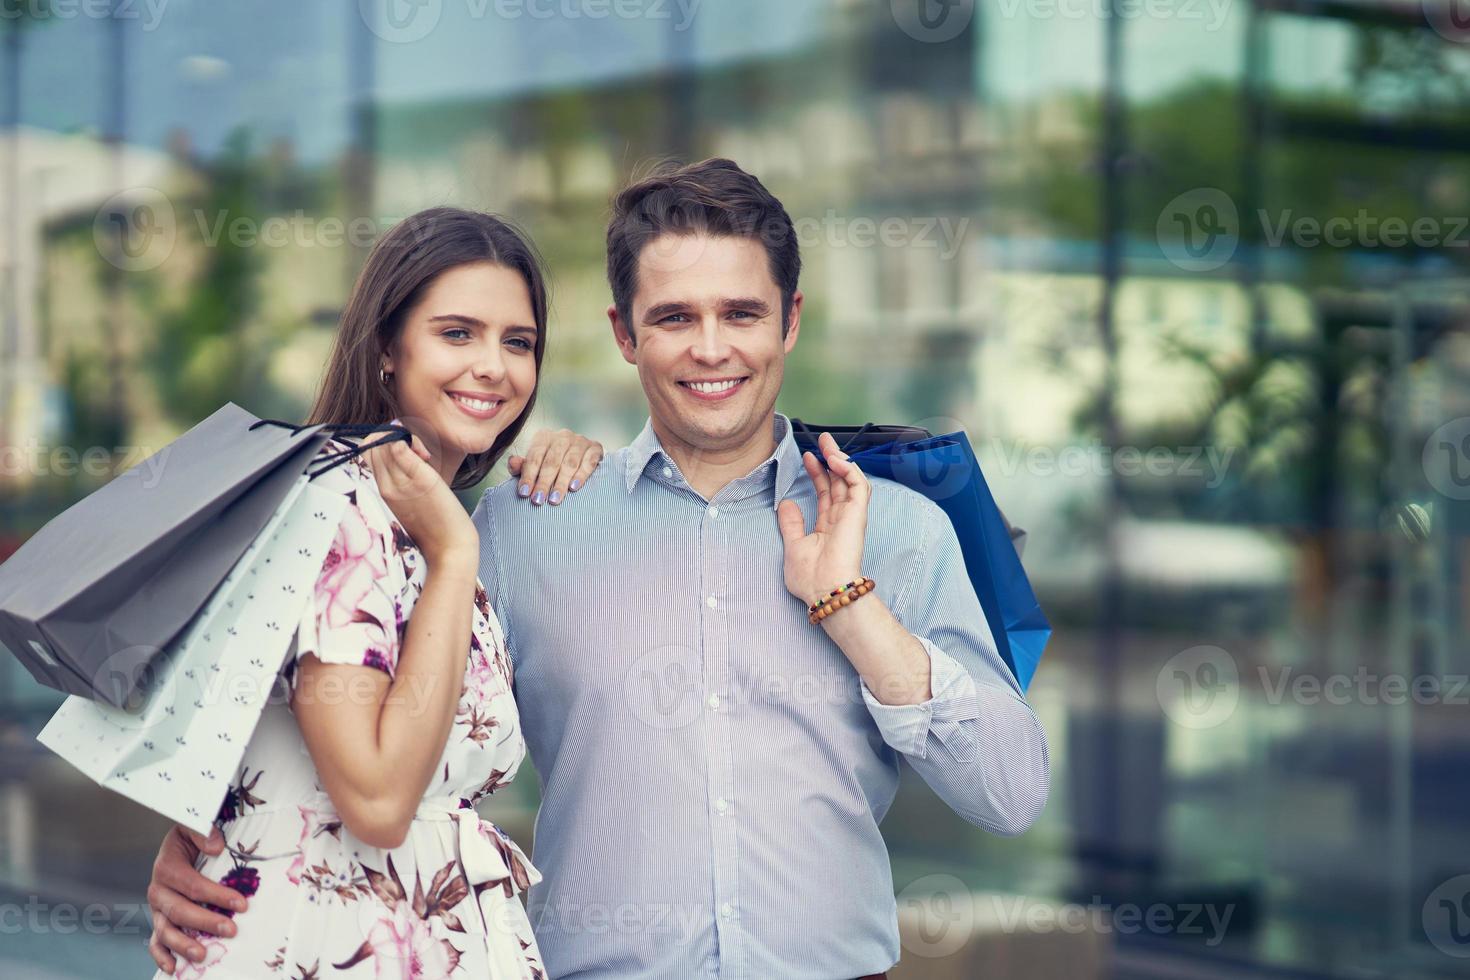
(713, 769)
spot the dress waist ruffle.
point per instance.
(488, 855)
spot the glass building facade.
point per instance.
(1192, 275)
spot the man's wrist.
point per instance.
(840, 596)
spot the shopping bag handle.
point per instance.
(345, 431)
(896, 433)
(799, 426)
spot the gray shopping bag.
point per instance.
(204, 696)
(94, 595)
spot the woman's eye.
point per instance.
(525, 344)
(457, 333)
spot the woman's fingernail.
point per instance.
(239, 904)
(576, 484)
(540, 497)
(525, 490)
(196, 954)
(227, 929)
(556, 496)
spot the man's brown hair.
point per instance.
(712, 197)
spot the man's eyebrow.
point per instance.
(752, 303)
(660, 310)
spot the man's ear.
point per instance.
(795, 327)
(622, 334)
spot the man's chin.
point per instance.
(714, 433)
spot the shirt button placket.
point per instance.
(714, 535)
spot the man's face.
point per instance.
(706, 316)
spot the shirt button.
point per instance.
(711, 602)
(726, 910)
(714, 512)
(668, 473)
(722, 805)
(714, 701)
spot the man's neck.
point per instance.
(711, 470)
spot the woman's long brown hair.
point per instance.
(398, 270)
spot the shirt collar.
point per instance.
(787, 457)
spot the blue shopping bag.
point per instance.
(944, 469)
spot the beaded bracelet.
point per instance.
(837, 598)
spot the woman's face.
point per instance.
(464, 364)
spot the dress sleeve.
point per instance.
(355, 610)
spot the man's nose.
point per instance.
(710, 346)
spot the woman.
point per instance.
(350, 823)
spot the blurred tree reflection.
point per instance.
(202, 352)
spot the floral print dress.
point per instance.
(324, 905)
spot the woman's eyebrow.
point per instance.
(457, 318)
(476, 322)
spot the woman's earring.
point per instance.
(384, 376)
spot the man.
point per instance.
(714, 766)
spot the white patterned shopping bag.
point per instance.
(206, 691)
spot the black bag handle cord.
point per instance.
(798, 424)
(346, 431)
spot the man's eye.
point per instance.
(742, 313)
(674, 318)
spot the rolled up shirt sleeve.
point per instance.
(976, 741)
